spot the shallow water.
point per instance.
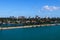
(41, 33)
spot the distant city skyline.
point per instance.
(42, 8)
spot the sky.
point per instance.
(42, 8)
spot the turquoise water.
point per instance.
(41, 33)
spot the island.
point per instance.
(27, 22)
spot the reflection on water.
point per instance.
(41, 33)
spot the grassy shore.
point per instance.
(29, 26)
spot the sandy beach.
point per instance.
(30, 26)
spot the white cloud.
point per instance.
(50, 8)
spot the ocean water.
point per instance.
(39, 33)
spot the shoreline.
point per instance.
(30, 26)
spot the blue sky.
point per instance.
(27, 8)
